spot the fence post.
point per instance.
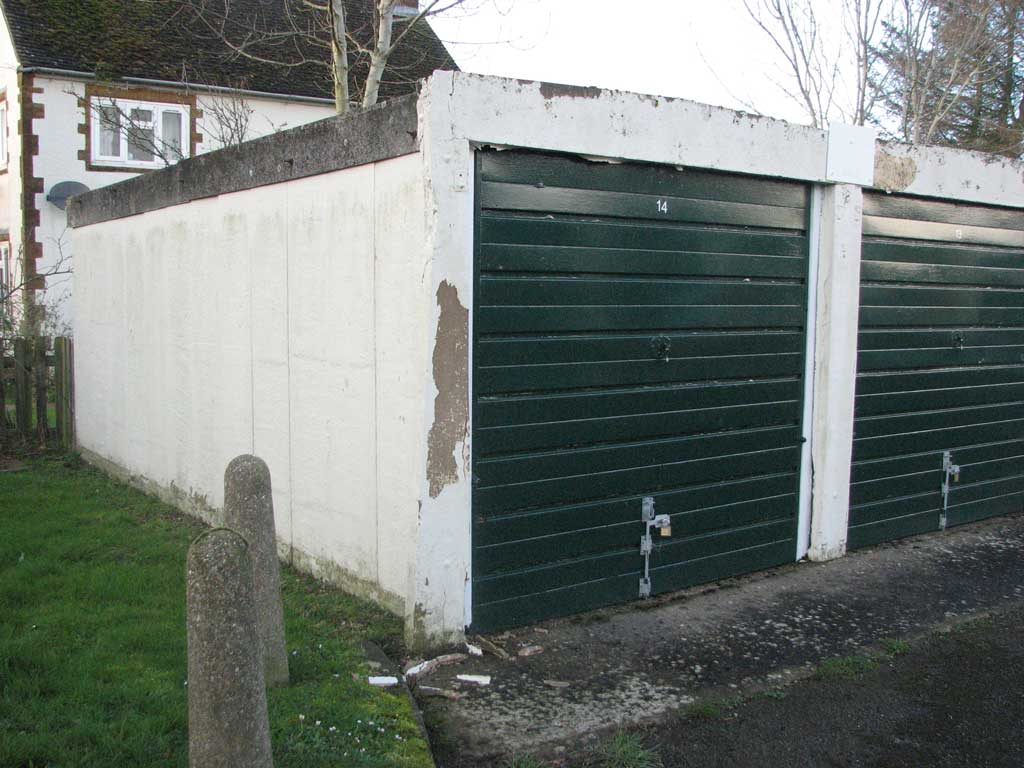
(39, 369)
(21, 388)
(69, 393)
(4, 422)
(60, 388)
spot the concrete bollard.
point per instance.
(249, 510)
(228, 724)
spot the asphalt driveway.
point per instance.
(728, 674)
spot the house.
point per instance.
(96, 92)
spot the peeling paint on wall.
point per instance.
(451, 377)
(893, 174)
(555, 90)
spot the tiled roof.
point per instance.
(163, 40)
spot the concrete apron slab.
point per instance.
(628, 666)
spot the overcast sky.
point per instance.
(705, 50)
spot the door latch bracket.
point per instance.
(651, 520)
(950, 471)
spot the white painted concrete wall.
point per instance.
(287, 321)
(954, 174)
(60, 143)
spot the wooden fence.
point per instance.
(37, 390)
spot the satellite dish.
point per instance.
(59, 193)
(406, 9)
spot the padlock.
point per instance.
(666, 531)
(956, 475)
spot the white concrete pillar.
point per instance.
(835, 370)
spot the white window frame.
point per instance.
(6, 279)
(125, 106)
(3, 134)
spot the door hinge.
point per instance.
(949, 470)
(650, 520)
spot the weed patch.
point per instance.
(626, 750)
(896, 647)
(846, 668)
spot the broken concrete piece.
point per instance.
(418, 669)
(474, 650)
(386, 681)
(426, 667)
(556, 683)
(530, 650)
(426, 690)
(491, 648)
(474, 679)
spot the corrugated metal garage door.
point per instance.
(941, 367)
(638, 331)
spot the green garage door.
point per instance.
(638, 332)
(940, 382)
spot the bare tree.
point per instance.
(833, 71)
(863, 24)
(22, 311)
(795, 31)
(227, 118)
(296, 33)
(936, 52)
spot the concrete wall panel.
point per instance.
(249, 323)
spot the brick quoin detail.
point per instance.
(31, 184)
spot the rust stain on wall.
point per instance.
(893, 174)
(451, 377)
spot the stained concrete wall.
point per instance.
(286, 321)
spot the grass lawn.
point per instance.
(93, 648)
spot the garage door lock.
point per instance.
(650, 520)
(950, 471)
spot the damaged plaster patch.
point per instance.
(555, 90)
(451, 377)
(893, 174)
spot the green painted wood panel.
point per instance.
(940, 366)
(638, 330)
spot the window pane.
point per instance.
(141, 135)
(3, 135)
(110, 131)
(140, 144)
(170, 134)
